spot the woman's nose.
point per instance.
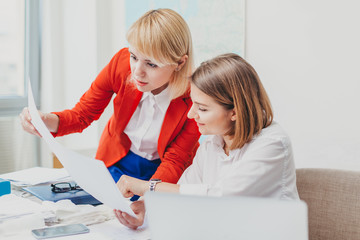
(192, 113)
(139, 69)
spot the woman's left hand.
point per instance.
(130, 186)
(131, 222)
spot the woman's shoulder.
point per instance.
(273, 133)
(272, 143)
(121, 58)
(274, 130)
(119, 68)
(123, 53)
(120, 61)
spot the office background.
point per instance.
(306, 53)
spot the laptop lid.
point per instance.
(174, 216)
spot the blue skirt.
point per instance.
(134, 166)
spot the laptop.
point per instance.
(174, 216)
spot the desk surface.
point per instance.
(108, 230)
(111, 229)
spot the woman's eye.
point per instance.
(152, 65)
(133, 57)
(202, 109)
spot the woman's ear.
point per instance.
(181, 63)
(233, 115)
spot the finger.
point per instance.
(121, 219)
(26, 124)
(128, 194)
(127, 222)
(23, 118)
(26, 114)
(28, 127)
(138, 206)
(37, 133)
(130, 219)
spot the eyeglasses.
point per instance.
(64, 187)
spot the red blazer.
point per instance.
(178, 140)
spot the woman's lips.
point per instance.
(140, 83)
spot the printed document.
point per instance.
(91, 174)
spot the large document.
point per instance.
(91, 174)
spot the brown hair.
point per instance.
(163, 36)
(234, 84)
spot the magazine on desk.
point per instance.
(95, 180)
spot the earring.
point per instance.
(177, 69)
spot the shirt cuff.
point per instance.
(194, 189)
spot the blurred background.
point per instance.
(305, 52)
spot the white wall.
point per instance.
(307, 55)
(79, 39)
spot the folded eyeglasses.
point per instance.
(64, 187)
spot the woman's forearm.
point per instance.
(51, 121)
(167, 187)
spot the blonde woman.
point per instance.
(248, 153)
(148, 135)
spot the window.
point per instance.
(19, 53)
(19, 59)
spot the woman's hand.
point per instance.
(51, 121)
(131, 222)
(130, 186)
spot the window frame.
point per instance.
(12, 105)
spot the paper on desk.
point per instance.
(91, 174)
(18, 214)
(36, 175)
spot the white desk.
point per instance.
(111, 229)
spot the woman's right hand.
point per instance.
(130, 186)
(132, 222)
(51, 121)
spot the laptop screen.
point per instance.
(174, 216)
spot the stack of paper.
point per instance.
(36, 175)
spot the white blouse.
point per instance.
(145, 124)
(263, 167)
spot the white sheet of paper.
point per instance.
(35, 175)
(91, 174)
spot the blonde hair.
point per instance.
(163, 36)
(234, 84)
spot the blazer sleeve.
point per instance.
(179, 153)
(94, 101)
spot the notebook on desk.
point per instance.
(44, 193)
(173, 216)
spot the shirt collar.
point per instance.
(218, 143)
(162, 100)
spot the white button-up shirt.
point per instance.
(263, 167)
(144, 126)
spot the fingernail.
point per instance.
(124, 214)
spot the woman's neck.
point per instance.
(227, 143)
